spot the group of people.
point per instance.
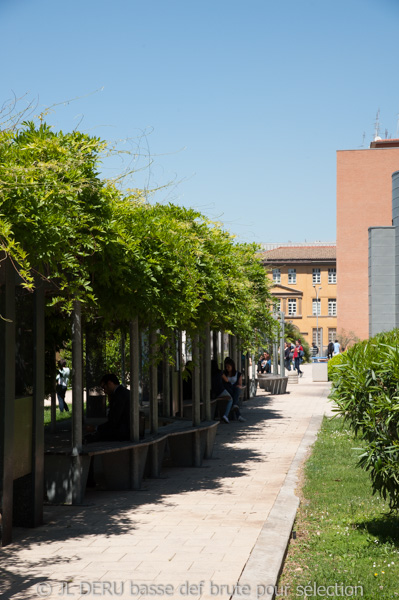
(294, 352)
(226, 383)
(333, 349)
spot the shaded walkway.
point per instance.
(190, 525)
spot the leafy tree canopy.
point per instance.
(121, 256)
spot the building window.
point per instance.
(316, 276)
(291, 275)
(276, 276)
(277, 305)
(332, 334)
(316, 306)
(291, 307)
(332, 275)
(317, 338)
(332, 307)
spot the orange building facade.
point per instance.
(305, 288)
(364, 199)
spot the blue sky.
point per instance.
(241, 105)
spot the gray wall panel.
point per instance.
(382, 311)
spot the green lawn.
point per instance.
(344, 537)
(60, 416)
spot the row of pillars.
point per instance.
(201, 345)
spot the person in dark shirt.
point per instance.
(117, 426)
(287, 356)
(218, 389)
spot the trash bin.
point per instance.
(320, 371)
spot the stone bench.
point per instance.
(124, 464)
(275, 384)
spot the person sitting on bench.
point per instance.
(233, 384)
(117, 426)
(219, 391)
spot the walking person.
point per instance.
(287, 356)
(298, 354)
(62, 379)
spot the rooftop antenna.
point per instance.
(364, 137)
(377, 126)
(386, 134)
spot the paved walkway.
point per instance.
(213, 532)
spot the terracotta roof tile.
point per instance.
(300, 253)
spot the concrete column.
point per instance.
(282, 335)
(166, 380)
(180, 373)
(134, 380)
(207, 374)
(77, 400)
(196, 381)
(153, 384)
(77, 377)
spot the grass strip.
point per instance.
(346, 545)
(59, 416)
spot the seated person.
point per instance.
(218, 389)
(264, 363)
(117, 426)
(232, 380)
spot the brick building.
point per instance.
(364, 200)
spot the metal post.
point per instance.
(317, 314)
(275, 344)
(282, 335)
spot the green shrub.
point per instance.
(366, 391)
(332, 363)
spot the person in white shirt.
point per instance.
(337, 347)
(63, 376)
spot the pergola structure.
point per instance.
(24, 477)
